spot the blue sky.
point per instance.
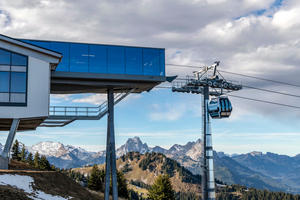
(258, 38)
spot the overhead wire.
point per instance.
(261, 89)
(266, 90)
(259, 78)
(238, 74)
(248, 76)
(247, 98)
(258, 100)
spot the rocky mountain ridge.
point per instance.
(271, 166)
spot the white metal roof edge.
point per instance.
(30, 46)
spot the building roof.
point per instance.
(69, 81)
(52, 57)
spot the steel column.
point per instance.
(11, 137)
(107, 164)
(110, 149)
(5, 158)
(208, 175)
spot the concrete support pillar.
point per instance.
(110, 149)
(4, 161)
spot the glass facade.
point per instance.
(134, 60)
(13, 79)
(116, 60)
(94, 58)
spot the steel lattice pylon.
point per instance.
(204, 83)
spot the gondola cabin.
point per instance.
(220, 107)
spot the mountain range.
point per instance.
(271, 171)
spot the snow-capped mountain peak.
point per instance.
(133, 144)
(55, 149)
(66, 156)
(78, 151)
(179, 150)
(256, 153)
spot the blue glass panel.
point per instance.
(45, 45)
(27, 41)
(4, 57)
(63, 48)
(162, 62)
(18, 82)
(134, 61)
(17, 59)
(97, 58)
(116, 60)
(4, 81)
(79, 58)
(151, 62)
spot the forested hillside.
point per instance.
(235, 192)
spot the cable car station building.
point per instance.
(31, 70)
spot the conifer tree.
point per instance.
(37, 160)
(53, 168)
(87, 178)
(95, 180)
(122, 185)
(44, 163)
(15, 151)
(23, 154)
(133, 195)
(30, 159)
(102, 174)
(162, 189)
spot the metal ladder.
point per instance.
(60, 116)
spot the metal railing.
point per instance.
(82, 112)
(76, 111)
(193, 79)
(62, 115)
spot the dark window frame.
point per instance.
(26, 90)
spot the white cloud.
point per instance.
(284, 19)
(98, 99)
(167, 112)
(94, 148)
(95, 99)
(257, 4)
(58, 98)
(193, 32)
(262, 136)
(281, 149)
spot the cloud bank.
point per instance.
(259, 38)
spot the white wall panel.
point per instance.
(38, 93)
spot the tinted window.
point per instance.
(4, 81)
(45, 45)
(27, 41)
(63, 48)
(18, 82)
(79, 57)
(151, 62)
(134, 61)
(17, 59)
(4, 57)
(97, 59)
(116, 60)
(13, 84)
(162, 62)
